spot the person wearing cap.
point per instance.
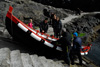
(76, 48)
(44, 26)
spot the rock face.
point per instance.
(25, 9)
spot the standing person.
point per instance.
(51, 18)
(44, 26)
(30, 23)
(69, 37)
(53, 23)
(78, 11)
(65, 45)
(76, 49)
(58, 28)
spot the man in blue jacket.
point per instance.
(76, 49)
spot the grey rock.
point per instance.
(26, 60)
(4, 57)
(16, 60)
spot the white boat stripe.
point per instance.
(48, 44)
(35, 37)
(22, 27)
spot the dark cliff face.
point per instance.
(85, 5)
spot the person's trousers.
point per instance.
(72, 56)
(67, 58)
(57, 33)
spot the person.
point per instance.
(65, 45)
(76, 49)
(51, 18)
(78, 11)
(53, 22)
(69, 36)
(30, 23)
(44, 26)
(58, 28)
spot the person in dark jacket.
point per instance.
(76, 48)
(65, 45)
(57, 28)
(78, 11)
(69, 36)
(44, 26)
(53, 22)
(51, 18)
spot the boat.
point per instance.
(20, 31)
